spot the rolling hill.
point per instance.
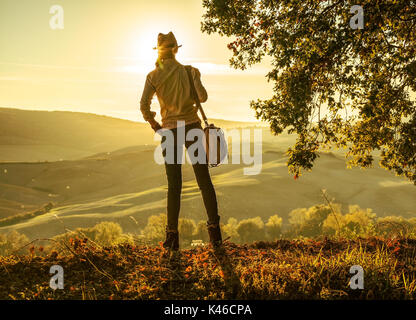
(53, 135)
(115, 185)
(32, 136)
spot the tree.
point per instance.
(186, 228)
(201, 232)
(356, 222)
(393, 226)
(12, 241)
(274, 227)
(230, 230)
(107, 233)
(251, 229)
(309, 222)
(155, 228)
(334, 86)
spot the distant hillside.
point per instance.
(128, 183)
(227, 124)
(114, 176)
(32, 136)
(53, 135)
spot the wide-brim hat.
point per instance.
(165, 41)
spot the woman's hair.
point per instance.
(165, 53)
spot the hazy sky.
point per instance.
(99, 61)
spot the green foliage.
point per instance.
(155, 228)
(333, 86)
(329, 220)
(314, 222)
(25, 216)
(201, 232)
(251, 229)
(186, 228)
(308, 222)
(230, 230)
(274, 227)
(356, 222)
(394, 226)
(103, 234)
(108, 233)
(12, 241)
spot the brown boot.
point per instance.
(214, 234)
(172, 240)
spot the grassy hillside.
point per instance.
(41, 135)
(110, 184)
(278, 270)
(115, 187)
(32, 136)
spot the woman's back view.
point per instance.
(170, 82)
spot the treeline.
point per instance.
(329, 220)
(8, 221)
(320, 220)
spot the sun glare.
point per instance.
(140, 50)
(144, 48)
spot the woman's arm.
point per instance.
(202, 93)
(145, 102)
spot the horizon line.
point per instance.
(113, 117)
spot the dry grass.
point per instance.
(300, 269)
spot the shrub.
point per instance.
(274, 227)
(354, 223)
(251, 229)
(186, 229)
(155, 228)
(201, 232)
(108, 233)
(103, 234)
(308, 222)
(395, 226)
(11, 242)
(8, 221)
(230, 230)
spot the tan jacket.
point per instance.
(171, 85)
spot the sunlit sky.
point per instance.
(99, 61)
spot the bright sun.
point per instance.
(141, 50)
(144, 48)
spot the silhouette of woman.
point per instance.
(171, 84)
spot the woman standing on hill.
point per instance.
(171, 84)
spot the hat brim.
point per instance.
(155, 48)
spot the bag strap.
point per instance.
(195, 95)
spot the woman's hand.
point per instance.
(155, 125)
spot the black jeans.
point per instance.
(174, 176)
